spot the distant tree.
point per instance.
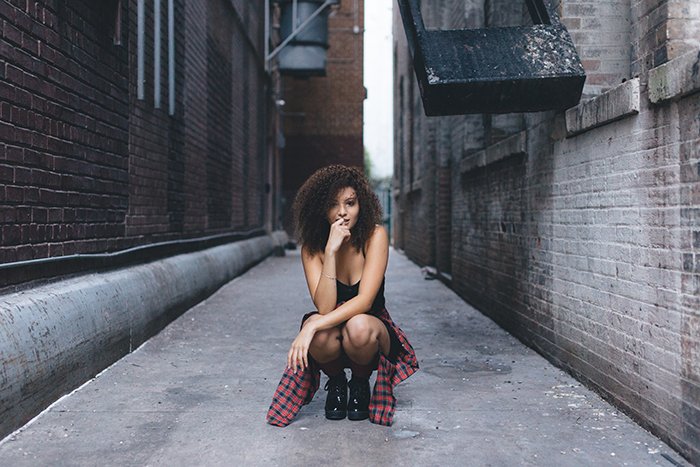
(369, 167)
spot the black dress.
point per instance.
(345, 292)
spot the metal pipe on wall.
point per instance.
(140, 43)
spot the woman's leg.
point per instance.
(327, 351)
(325, 347)
(363, 337)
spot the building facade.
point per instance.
(322, 116)
(131, 132)
(577, 231)
(126, 123)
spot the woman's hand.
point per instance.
(338, 234)
(298, 355)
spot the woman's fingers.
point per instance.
(301, 359)
(296, 358)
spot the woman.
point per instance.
(344, 254)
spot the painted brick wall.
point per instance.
(688, 150)
(602, 34)
(323, 115)
(585, 247)
(663, 30)
(86, 166)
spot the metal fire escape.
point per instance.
(494, 70)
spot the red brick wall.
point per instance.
(64, 116)
(85, 166)
(324, 114)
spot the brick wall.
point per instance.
(88, 166)
(602, 34)
(662, 30)
(584, 246)
(63, 130)
(323, 116)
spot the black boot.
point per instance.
(358, 405)
(337, 398)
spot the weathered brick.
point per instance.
(84, 151)
(7, 174)
(12, 34)
(11, 234)
(14, 154)
(592, 240)
(39, 215)
(31, 195)
(8, 12)
(7, 214)
(23, 176)
(13, 194)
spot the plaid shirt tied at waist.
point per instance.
(297, 389)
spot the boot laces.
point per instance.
(357, 388)
(335, 385)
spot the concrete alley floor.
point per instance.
(197, 393)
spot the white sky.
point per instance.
(378, 70)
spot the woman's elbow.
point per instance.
(366, 305)
(323, 309)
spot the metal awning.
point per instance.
(495, 70)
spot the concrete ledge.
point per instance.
(417, 185)
(511, 146)
(675, 78)
(617, 103)
(57, 336)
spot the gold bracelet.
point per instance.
(324, 274)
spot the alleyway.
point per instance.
(197, 393)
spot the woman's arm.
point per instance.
(320, 278)
(376, 259)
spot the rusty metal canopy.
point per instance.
(494, 70)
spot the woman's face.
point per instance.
(345, 206)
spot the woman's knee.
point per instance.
(358, 331)
(326, 340)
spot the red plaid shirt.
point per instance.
(297, 389)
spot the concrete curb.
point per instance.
(55, 337)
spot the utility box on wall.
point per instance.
(305, 54)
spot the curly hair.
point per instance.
(317, 195)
